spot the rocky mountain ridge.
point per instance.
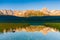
(27, 13)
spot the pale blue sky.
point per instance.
(29, 4)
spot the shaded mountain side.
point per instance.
(35, 19)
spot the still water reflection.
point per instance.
(30, 33)
(30, 36)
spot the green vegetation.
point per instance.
(53, 25)
(7, 26)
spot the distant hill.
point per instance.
(35, 19)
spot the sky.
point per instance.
(29, 4)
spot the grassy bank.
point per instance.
(53, 25)
(8, 26)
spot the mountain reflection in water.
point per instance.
(19, 31)
(30, 33)
(44, 30)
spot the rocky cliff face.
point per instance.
(27, 13)
(6, 12)
(55, 13)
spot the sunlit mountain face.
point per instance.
(29, 13)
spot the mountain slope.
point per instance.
(28, 13)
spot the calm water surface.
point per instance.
(29, 36)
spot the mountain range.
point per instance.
(28, 13)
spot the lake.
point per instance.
(44, 33)
(30, 36)
(11, 26)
